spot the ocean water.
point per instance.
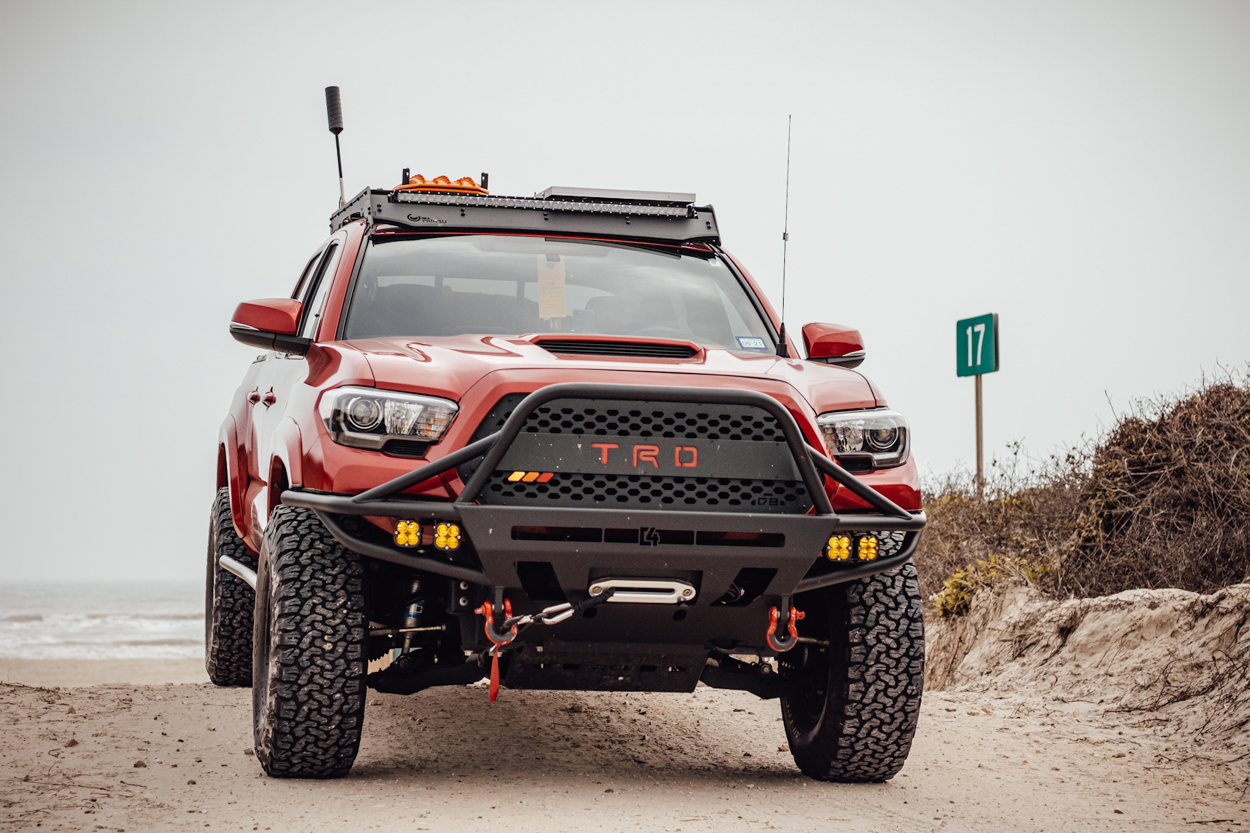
(62, 620)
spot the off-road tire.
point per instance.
(855, 713)
(308, 699)
(228, 602)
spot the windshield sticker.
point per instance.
(752, 343)
(551, 286)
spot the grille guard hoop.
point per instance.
(810, 462)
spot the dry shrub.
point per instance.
(1167, 502)
(1022, 528)
(956, 594)
(1162, 500)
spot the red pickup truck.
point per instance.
(557, 442)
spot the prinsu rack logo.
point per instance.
(684, 456)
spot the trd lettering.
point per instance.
(603, 451)
(684, 456)
(647, 454)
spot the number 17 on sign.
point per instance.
(976, 353)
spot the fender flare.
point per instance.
(236, 473)
(288, 451)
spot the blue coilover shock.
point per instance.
(412, 616)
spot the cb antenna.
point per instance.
(334, 111)
(782, 350)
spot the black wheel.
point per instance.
(308, 697)
(228, 602)
(854, 714)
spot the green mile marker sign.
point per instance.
(976, 345)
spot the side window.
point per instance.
(303, 276)
(319, 288)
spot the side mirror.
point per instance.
(833, 344)
(271, 324)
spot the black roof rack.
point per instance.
(650, 216)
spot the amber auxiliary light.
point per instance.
(407, 533)
(839, 548)
(447, 536)
(444, 535)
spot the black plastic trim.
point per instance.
(599, 347)
(271, 341)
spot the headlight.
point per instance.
(368, 418)
(862, 440)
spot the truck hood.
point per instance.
(450, 366)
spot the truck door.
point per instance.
(286, 370)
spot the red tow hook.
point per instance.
(497, 639)
(783, 643)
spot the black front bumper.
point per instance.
(710, 550)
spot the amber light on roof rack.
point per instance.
(442, 185)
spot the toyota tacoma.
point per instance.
(558, 442)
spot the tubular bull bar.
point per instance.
(687, 545)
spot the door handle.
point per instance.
(268, 399)
(254, 396)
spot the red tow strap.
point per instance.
(488, 610)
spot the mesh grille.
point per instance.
(492, 422)
(643, 421)
(690, 422)
(619, 491)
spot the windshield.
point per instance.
(495, 285)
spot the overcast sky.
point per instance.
(1082, 169)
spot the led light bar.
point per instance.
(642, 209)
(661, 218)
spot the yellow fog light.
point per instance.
(838, 548)
(407, 533)
(868, 548)
(447, 536)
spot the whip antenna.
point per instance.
(334, 111)
(782, 350)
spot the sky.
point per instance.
(1082, 169)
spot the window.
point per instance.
(495, 285)
(318, 290)
(303, 276)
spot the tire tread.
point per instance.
(876, 705)
(230, 603)
(314, 709)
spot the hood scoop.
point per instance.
(596, 347)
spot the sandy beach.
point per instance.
(127, 757)
(92, 672)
